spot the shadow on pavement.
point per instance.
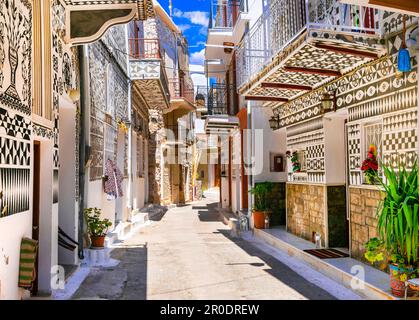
(281, 271)
(208, 213)
(126, 281)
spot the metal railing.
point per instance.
(218, 99)
(225, 13)
(181, 89)
(285, 20)
(141, 48)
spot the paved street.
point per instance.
(189, 254)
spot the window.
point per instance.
(373, 136)
(140, 156)
(276, 162)
(301, 154)
(110, 143)
(110, 90)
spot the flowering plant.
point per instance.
(296, 167)
(370, 165)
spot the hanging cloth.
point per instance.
(113, 180)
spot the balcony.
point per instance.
(220, 118)
(226, 28)
(148, 73)
(182, 94)
(297, 46)
(219, 99)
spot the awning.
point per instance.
(87, 20)
(221, 124)
(410, 7)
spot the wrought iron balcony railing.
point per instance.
(285, 20)
(224, 13)
(181, 89)
(219, 99)
(141, 48)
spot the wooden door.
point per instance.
(36, 203)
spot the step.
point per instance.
(365, 289)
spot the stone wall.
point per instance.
(306, 210)
(277, 202)
(363, 208)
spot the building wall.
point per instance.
(363, 209)
(108, 83)
(265, 143)
(306, 207)
(33, 89)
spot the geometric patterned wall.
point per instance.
(308, 137)
(15, 105)
(108, 100)
(373, 93)
(379, 94)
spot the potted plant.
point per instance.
(398, 225)
(296, 166)
(96, 227)
(370, 166)
(261, 206)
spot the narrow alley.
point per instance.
(189, 254)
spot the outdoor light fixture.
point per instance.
(403, 58)
(329, 102)
(74, 95)
(274, 122)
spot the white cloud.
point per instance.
(195, 17)
(196, 68)
(184, 27)
(177, 13)
(197, 57)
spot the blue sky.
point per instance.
(191, 16)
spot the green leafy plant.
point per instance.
(96, 226)
(261, 192)
(296, 166)
(398, 213)
(375, 251)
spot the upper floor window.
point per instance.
(372, 149)
(110, 90)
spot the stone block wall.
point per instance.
(363, 210)
(306, 210)
(277, 202)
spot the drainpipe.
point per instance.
(83, 140)
(249, 150)
(130, 155)
(130, 196)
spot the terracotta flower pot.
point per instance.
(398, 287)
(98, 242)
(259, 219)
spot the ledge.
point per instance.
(376, 284)
(367, 187)
(316, 184)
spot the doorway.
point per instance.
(36, 204)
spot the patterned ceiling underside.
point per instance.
(308, 56)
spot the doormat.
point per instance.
(327, 253)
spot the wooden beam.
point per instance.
(405, 5)
(341, 50)
(264, 98)
(321, 72)
(286, 86)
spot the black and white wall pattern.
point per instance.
(15, 105)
